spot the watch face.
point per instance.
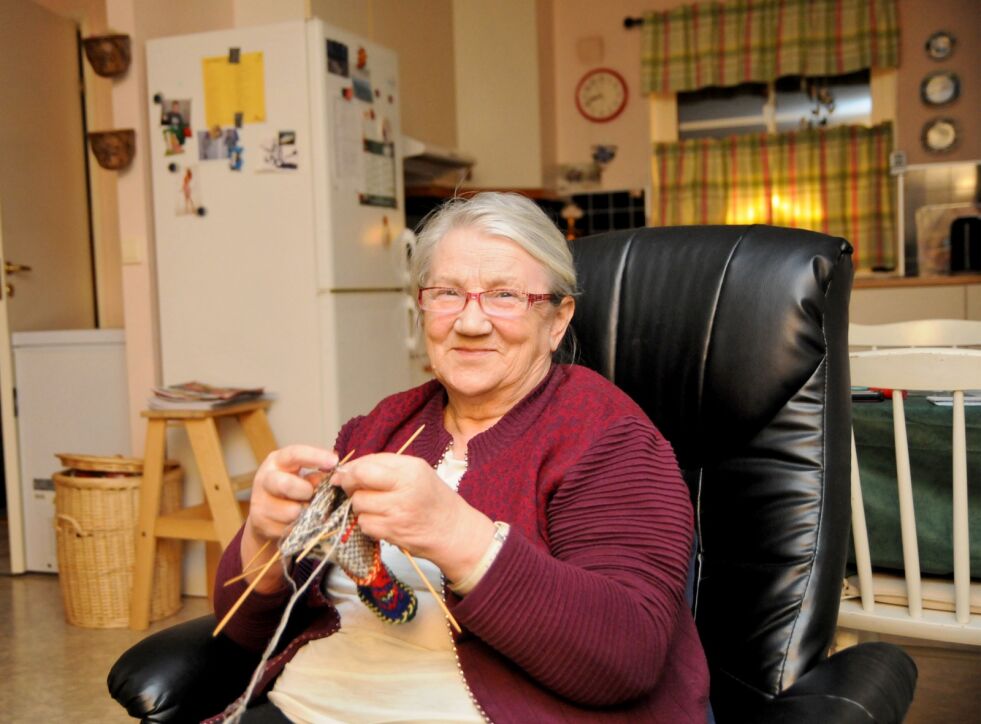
(940, 88)
(601, 95)
(939, 135)
(940, 45)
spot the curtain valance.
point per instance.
(725, 44)
(834, 180)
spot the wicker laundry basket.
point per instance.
(96, 508)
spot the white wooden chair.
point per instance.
(917, 333)
(889, 604)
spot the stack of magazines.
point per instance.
(199, 396)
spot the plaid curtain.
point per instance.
(834, 180)
(716, 44)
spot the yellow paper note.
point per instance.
(231, 88)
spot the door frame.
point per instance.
(11, 440)
(91, 18)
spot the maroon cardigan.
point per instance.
(582, 616)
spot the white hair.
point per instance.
(508, 215)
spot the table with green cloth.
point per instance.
(928, 429)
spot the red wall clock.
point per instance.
(601, 95)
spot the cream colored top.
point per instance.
(373, 671)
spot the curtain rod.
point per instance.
(629, 23)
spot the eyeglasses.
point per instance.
(494, 302)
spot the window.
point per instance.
(788, 104)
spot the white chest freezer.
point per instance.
(71, 397)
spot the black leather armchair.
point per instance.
(734, 341)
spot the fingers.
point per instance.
(294, 457)
(381, 471)
(281, 484)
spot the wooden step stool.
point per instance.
(215, 521)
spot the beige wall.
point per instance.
(497, 89)
(580, 28)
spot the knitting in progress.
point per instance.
(327, 531)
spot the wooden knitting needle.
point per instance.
(248, 571)
(439, 599)
(252, 559)
(312, 544)
(241, 599)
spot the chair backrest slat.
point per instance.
(860, 532)
(962, 557)
(907, 514)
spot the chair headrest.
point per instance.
(711, 329)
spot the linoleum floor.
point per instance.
(52, 671)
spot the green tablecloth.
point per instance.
(929, 432)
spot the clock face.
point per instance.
(601, 95)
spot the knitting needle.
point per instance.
(315, 541)
(241, 599)
(439, 599)
(247, 571)
(252, 559)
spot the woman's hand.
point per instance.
(400, 499)
(278, 495)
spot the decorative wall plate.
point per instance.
(940, 45)
(940, 88)
(939, 135)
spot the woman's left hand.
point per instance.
(399, 498)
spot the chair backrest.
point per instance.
(937, 370)
(917, 333)
(734, 341)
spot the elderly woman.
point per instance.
(538, 496)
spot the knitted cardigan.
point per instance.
(582, 616)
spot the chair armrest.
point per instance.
(181, 674)
(871, 682)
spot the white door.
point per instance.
(44, 216)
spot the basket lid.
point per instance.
(105, 464)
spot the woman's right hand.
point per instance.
(278, 495)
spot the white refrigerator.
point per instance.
(279, 215)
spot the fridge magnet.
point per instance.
(361, 77)
(337, 62)
(235, 151)
(210, 146)
(175, 119)
(231, 88)
(280, 153)
(188, 192)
